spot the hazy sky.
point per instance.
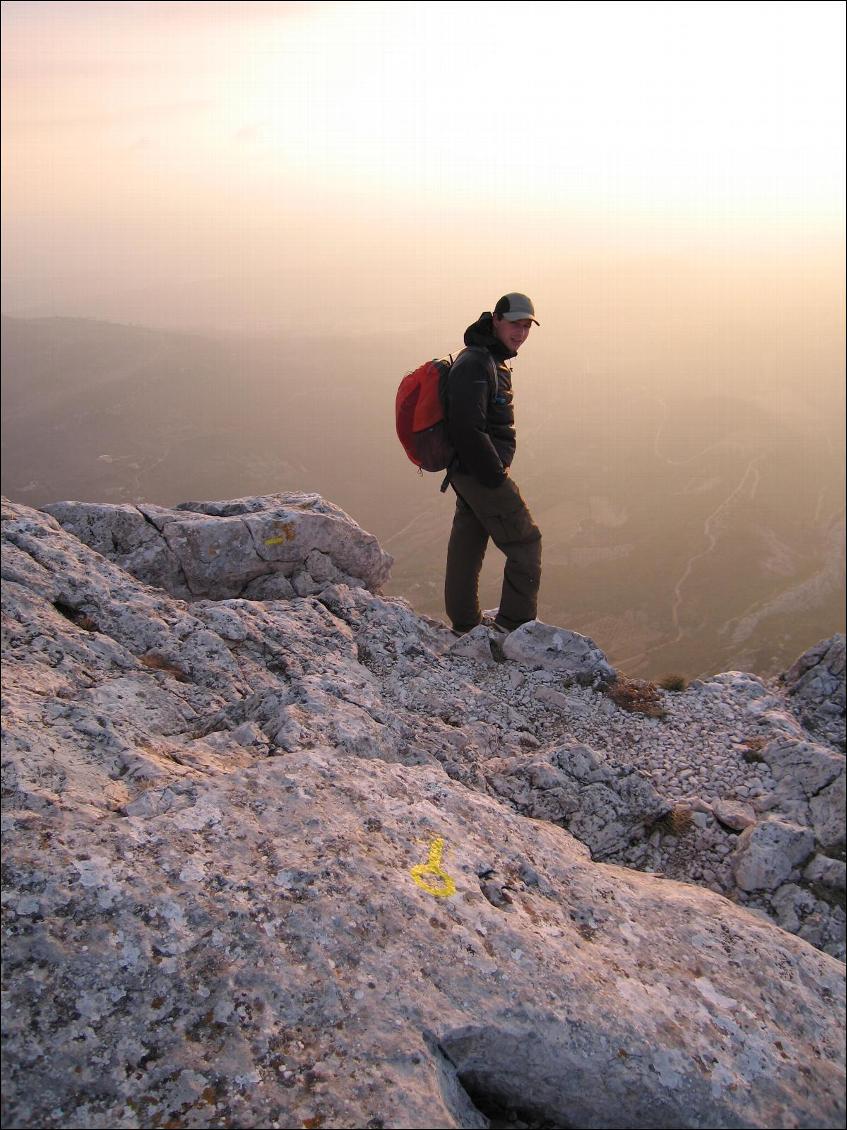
(326, 166)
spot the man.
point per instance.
(481, 426)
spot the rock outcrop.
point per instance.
(816, 689)
(276, 545)
(276, 855)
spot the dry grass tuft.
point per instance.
(676, 822)
(638, 696)
(753, 750)
(673, 682)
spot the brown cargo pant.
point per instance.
(501, 514)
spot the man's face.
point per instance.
(512, 334)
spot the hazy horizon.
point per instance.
(346, 167)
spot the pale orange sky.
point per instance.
(328, 166)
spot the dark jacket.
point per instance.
(481, 427)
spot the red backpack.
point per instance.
(420, 417)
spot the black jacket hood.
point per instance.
(481, 334)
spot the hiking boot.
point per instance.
(490, 620)
(499, 631)
(485, 622)
(493, 626)
(462, 631)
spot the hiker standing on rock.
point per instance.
(481, 427)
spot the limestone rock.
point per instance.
(816, 689)
(555, 699)
(734, 815)
(603, 806)
(803, 764)
(828, 816)
(798, 910)
(475, 644)
(265, 956)
(827, 872)
(811, 786)
(768, 852)
(572, 655)
(231, 549)
(271, 863)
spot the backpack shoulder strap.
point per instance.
(492, 364)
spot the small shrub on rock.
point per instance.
(673, 682)
(675, 822)
(638, 696)
(752, 752)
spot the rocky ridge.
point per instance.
(279, 851)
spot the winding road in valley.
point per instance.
(748, 486)
(745, 488)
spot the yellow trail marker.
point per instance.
(287, 532)
(425, 873)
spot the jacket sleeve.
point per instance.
(468, 391)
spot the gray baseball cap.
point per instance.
(515, 307)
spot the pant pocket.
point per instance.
(510, 519)
(514, 526)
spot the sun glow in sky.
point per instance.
(559, 102)
(165, 146)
